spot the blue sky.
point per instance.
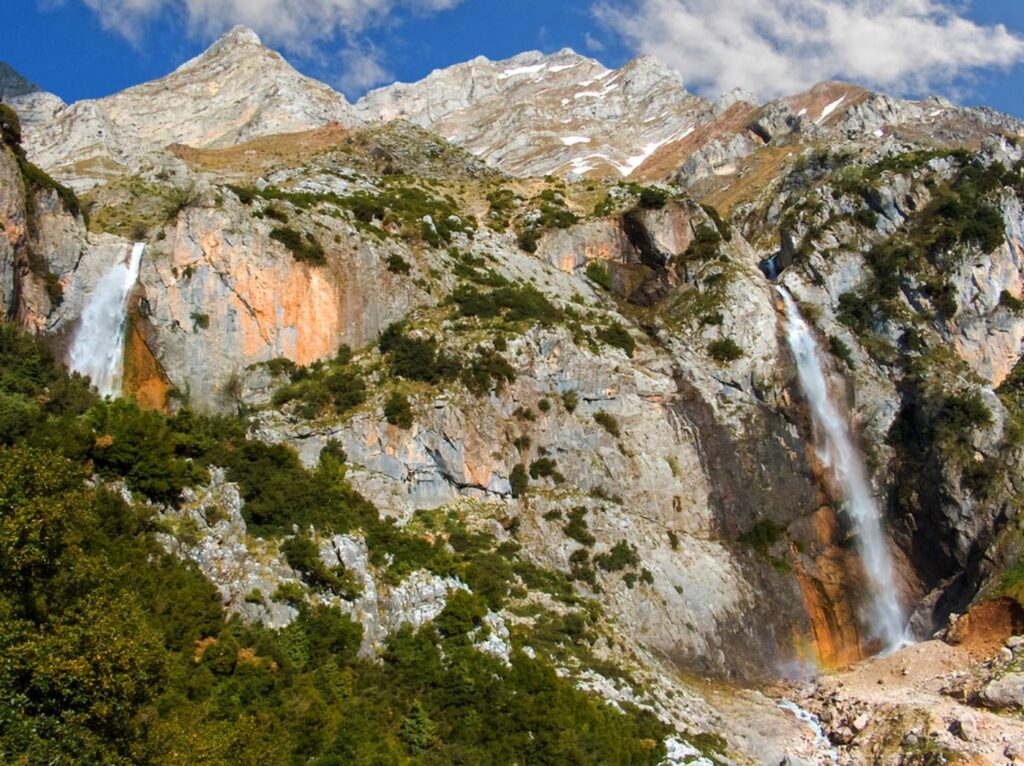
(90, 48)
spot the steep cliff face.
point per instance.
(592, 373)
(218, 295)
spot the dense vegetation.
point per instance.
(117, 652)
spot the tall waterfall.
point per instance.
(98, 348)
(836, 451)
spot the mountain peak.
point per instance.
(239, 35)
(13, 83)
(237, 39)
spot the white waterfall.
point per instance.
(837, 452)
(98, 348)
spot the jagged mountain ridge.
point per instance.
(530, 115)
(536, 114)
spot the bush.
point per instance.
(416, 358)
(398, 265)
(397, 410)
(866, 217)
(1011, 303)
(725, 350)
(519, 479)
(653, 198)
(577, 527)
(599, 273)
(545, 468)
(838, 348)
(303, 249)
(487, 370)
(724, 229)
(513, 303)
(570, 400)
(762, 536)
(706, 244)
(958, 416)
(10, 126)
(608, 422)
(617, 336)
(621, 555)
(303, 555)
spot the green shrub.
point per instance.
(653, 198)
(866, 217)
(621, 555)
(398, 265)
(725, 350)
(762, 536)
(838, 348)
(487, 370)
(706, 244)
(608, 422)
(10, 126)
(1011, 303)
(416, 358)
(36, 180)
(519, 479)
(570, 400)
(398, 411)
(577, 528)
(544, 468)
(617, 336)
(724, 229)
(599, 273)
(303, 555)
(513, 303)
(958, 416)
(303, 249)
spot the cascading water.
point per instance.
(98, 349)
(837, 452)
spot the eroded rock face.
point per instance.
(218, 295)
(987, 334)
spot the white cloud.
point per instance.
(297, 25)
(362, 69)
(778, 47)
(592, 43)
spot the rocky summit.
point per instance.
(532, 413)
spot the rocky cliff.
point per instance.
(592, 372)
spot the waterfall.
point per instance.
(837, 452)
(98, 348)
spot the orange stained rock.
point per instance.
(834, 628)
(289, 309)
(143, 378)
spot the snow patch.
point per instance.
(802, 112)
(521, 70)
(596, 93)
(573, 140)
(830, 108)
(633, 163)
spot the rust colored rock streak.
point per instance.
(143, 379)
(827, 592)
